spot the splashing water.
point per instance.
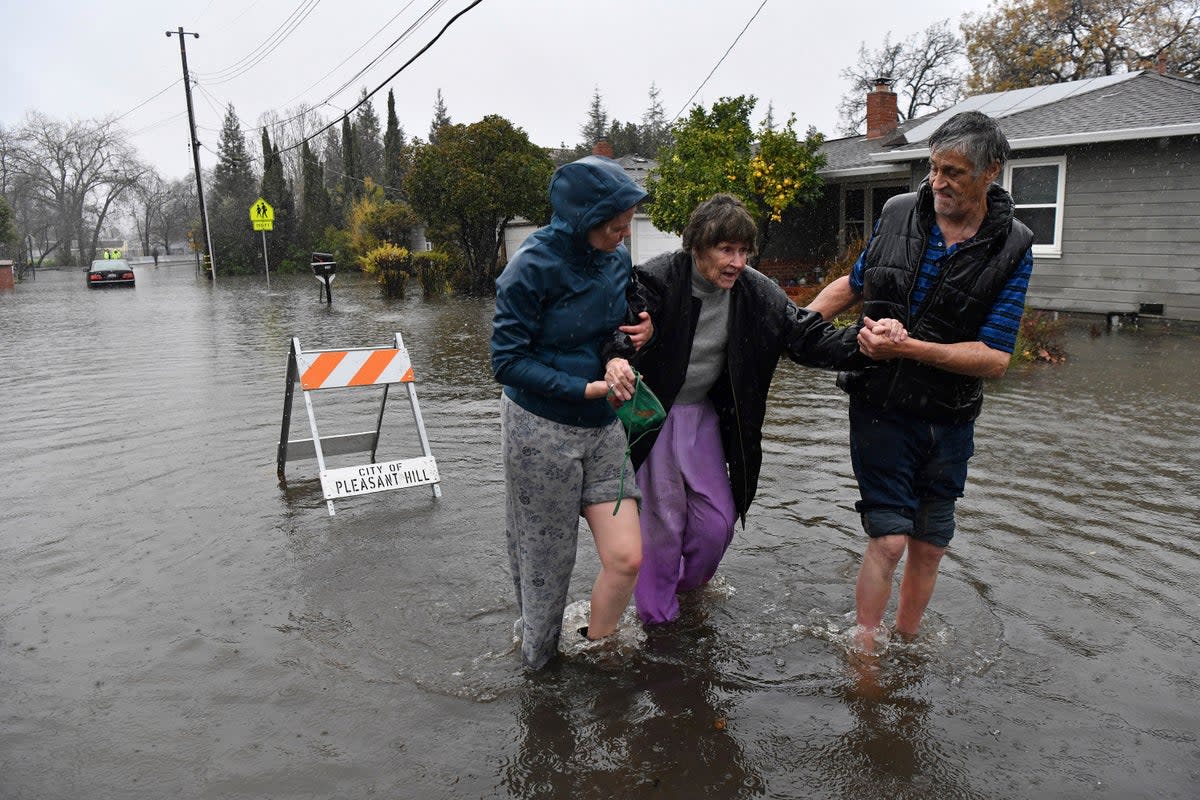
(615, 649)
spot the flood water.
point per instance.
(176, 624)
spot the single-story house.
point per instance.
(1106, 171)
(645, 241)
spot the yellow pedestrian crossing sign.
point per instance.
(262, 215)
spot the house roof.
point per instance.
(637, 167)
(1134, 105)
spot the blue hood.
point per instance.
(587, 192)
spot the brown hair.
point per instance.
(720, 218)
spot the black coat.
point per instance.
(763, 325)
(969, 281)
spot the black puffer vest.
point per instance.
(954, 310)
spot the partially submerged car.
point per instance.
(110, 272)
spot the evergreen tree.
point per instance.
(274, 190)
(368, 147)
(656, 133)
(234, 191)
(768, 122)
(332, 160)
(315, 206)
(596, 124)
(394, 155)
(625, 137)
(440, 118)
(351, 183)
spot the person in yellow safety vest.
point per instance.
(107, 255)
(116, 253)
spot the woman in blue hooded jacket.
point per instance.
(559, 302)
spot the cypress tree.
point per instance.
(314, 198)
(394, 157)
(351, 174)
(368, 148)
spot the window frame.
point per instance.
(1054, 249)
(869, 220)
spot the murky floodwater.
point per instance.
(173, 623)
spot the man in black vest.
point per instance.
(943, 283)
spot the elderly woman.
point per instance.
(557, 350)
(720, 328)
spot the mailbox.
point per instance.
(323, 264)
(324, 268)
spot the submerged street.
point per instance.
(174, 623)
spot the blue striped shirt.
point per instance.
(999, 330)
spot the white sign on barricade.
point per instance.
(321, 370)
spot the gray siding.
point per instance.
(1131, 230)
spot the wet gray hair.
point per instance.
(720, 218)
(973, 134)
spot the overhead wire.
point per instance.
(159, 124)
(389, 79)
(356, 51)
(148, 99)
(719, 61)
(420, 22)
(267, 46)
(327, 101)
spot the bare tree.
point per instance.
(178, 214)
(142, 204)
(288, 128)
(1019, 43)
(77, 171)
(927, 70)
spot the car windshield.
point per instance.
(112, 263)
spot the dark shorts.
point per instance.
(910, 471)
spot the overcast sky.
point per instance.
(535, 62)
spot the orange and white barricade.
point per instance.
(322, 370)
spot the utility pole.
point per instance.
(195, 144)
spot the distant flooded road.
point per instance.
(175, 624)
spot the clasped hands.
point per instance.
(882, 339)
(619, 378)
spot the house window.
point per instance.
(854, 215)
(1037, 186)
(861, 207)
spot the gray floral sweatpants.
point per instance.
(551, 473)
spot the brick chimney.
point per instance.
(881, 109)
(603, 147)
(1160, 64)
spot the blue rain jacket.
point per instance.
(559, 299)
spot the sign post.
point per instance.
(263, 217)
(320, 370)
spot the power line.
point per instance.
(420, 22)
(147, 100)
(159, 124)
(714, 69)
(403, 66)
(358, 50)
(267, 46)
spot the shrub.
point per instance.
(838, 267)
(391, 266)
(1039, 339)
(432, 268)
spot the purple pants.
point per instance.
(687, 510)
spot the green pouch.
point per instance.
(641, 414)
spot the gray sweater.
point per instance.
(708, 346)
